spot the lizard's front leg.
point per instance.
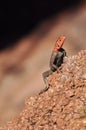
(45, 75)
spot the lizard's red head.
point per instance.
(59, 43)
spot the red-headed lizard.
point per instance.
(56, 60)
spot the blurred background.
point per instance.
(28, 31)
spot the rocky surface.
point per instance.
(62, 106)
(21, 66)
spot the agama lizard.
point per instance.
(56, 59)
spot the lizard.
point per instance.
(56, 60)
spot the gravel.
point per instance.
(62, 106)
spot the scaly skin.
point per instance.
(56, 60)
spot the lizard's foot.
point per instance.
(43, 90)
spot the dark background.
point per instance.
(20, 17)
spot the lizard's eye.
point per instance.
(59, 44)
(57, 47)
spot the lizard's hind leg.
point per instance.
(45, 75)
